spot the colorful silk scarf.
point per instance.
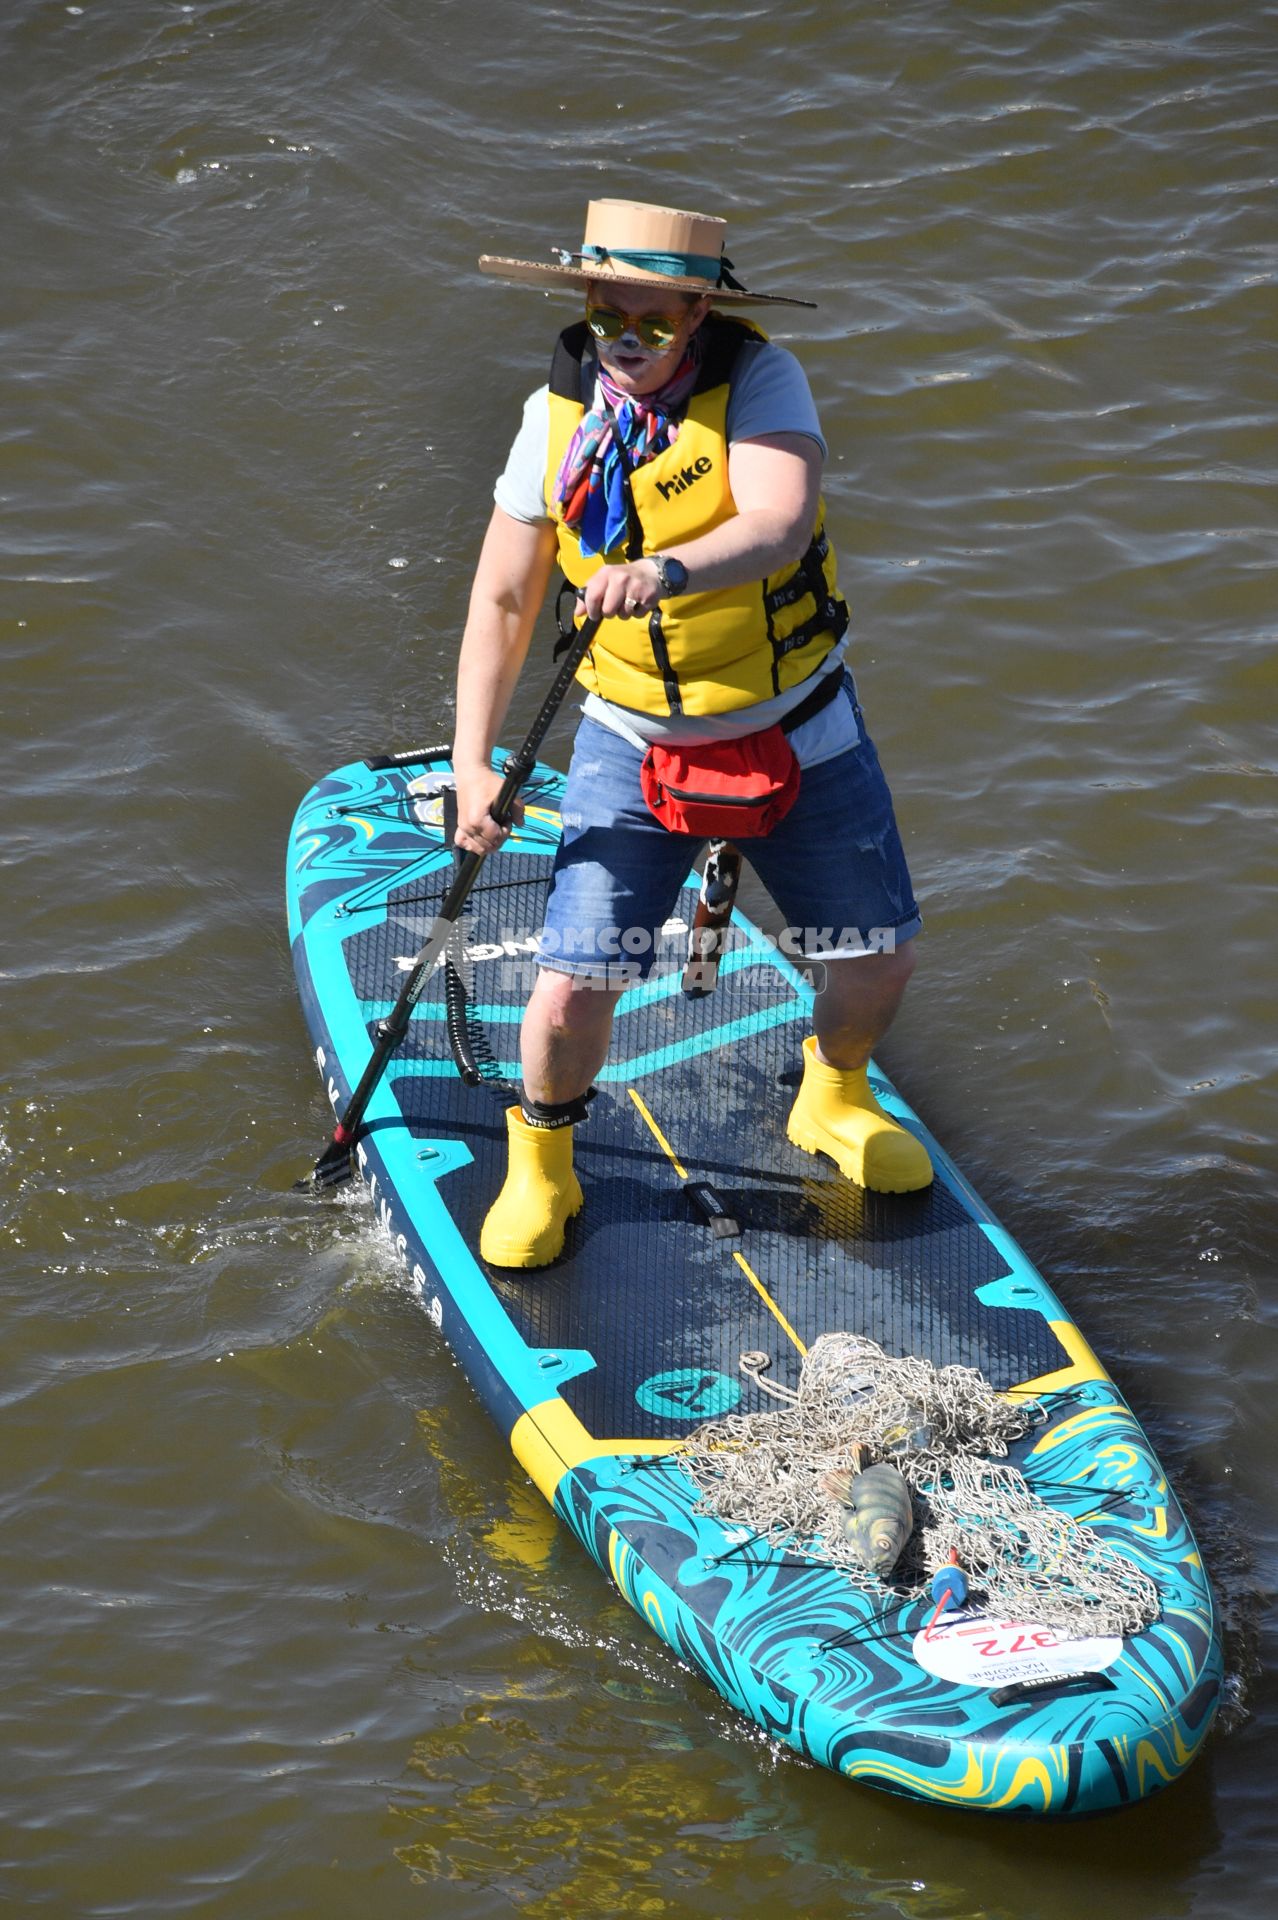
(592, 479)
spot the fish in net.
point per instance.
(948, 1432)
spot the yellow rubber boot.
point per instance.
(837, 1114)
(525, 1225)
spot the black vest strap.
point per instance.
(725, 346)
(829, 611)
(565, 365)
(827, 688)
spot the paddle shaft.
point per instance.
(333, 1164)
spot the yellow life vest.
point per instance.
(701, 653)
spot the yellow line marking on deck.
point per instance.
(740, 1258)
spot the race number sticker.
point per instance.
(974, 1652)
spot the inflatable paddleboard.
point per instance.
(706, 1237)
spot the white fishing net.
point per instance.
(948, 1432)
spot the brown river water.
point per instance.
(283, 1629)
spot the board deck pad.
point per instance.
(601, 1363)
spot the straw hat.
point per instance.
(641, 246)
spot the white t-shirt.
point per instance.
(770, 395)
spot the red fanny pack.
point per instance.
(729, 790)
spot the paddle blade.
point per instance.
(335, 1165)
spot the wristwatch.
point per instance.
(671, 573)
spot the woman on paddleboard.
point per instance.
(671, 468)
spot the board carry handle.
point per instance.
(336, 1163)
(1019, 1692)
(415, 756)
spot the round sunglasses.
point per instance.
(655, 330)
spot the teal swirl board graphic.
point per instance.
(598, 1367)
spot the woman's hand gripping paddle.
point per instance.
(336, 1163)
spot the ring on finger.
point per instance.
(631, 605)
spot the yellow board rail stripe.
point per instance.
(740, 1258)
(1083, 1365)
(549, 1441)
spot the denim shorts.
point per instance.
(834, 866)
